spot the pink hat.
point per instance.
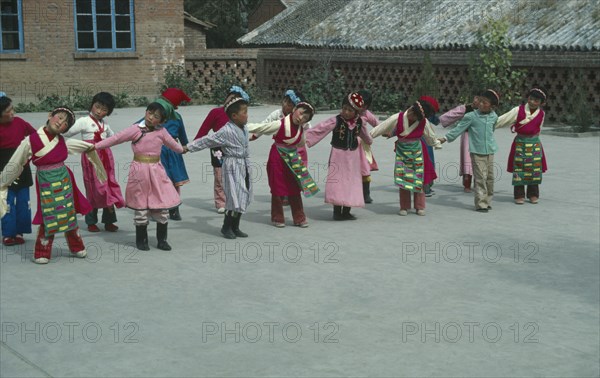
(175, 96)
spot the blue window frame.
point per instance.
(104, 25)
(11, 26)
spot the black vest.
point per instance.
(344, 138)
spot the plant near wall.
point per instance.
(324, 87)
(176, 76)
(490, 64)
(427, 84)
(579, 108)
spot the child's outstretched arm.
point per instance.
(453, 115)
(386, 127)
(129, 134)
(462, 126)
(264, 128)
(430, 138)
(217, 139)
(507, 119)
(315, 134)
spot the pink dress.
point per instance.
(447, 119)
(344, 180)
(365, 166)
(148, 186)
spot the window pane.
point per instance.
(10, 41)
(85, 40)
(8, 7)
(123, 40)
(84, 6)
(104, 40)
(10, 23)
(122, 23)
(103, 23)
(84, 23)
(102, 6)
(122, 6)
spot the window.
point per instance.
(104, 25)
(11, 26)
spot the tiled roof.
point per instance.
(430, 24)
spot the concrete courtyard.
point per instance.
(514, 292)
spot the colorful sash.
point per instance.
(409, 170)
(56, 200)
(293, 160)
(527, 166)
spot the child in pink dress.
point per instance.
(343, 188)
(149, 190)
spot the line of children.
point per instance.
(343, 188)
(149, 191)
(107, 195)
(527, 159)
(215, 120)
(172, 161)
(233, 139)
(413, 168)
(286, 170)
(13, 130)
(482, 146)
(452, 116)
(58, 198)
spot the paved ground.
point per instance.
(514, 292)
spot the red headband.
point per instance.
(539, 90)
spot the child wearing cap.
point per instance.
(59, 200)
(482, 145)
(233, 141)
(215, 120)
(413, 169)
(93, 128)
(527, 159)
(173, 162)
(13, 130)
(368, 162)
(343, 188)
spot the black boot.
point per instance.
(367, 192)
(337, 213)
(346, 213)
(227, 224)
(235, 226)
(141, 237)
(161, 235)
(174, 214)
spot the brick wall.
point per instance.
(211, 65)
(195, 39)
(50, 64)
(281, 68)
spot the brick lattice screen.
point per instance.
(275, 70)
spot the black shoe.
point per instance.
(367, 192)
(235, 227)
(161, 235)
(482, 210)
(174, 214)
(141, 238)
(489, 208)
(337, 213)
(226, 229)
(346, 214)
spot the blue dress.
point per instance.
(172, 161)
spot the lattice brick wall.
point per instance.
(209, 71)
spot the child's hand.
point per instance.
(442, 140)
(91, 148)
(185, 150)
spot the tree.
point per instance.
(230, 16)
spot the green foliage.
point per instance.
(230, 16)
(324, 87)
(426, 84)
(386, 99)
(176, 77)
(74, 100)
(581, 114)
(490, 65)
(221, 88)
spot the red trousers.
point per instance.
(296, 206)
(419, 200)
(43, 244)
